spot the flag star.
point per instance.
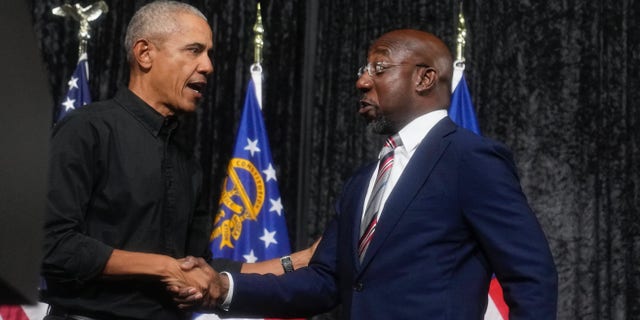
(68, 104)
(73, 83)
(276, 205)
(271, 173)
(250, 258)
(268, 238)
(252, 146)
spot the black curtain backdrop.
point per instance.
(557, 81)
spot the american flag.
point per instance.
(23, 312)
(462, 113)
(78, 93)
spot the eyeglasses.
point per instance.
(376, 68)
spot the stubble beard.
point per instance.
(381, 125)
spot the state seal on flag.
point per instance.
(242, 198)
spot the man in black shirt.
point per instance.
(123, 193)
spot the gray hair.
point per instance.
(155, 19)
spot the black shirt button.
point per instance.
(358, 286)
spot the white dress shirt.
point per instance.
(411, 136)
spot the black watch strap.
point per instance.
(287, 265)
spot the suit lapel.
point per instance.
(355, 207)
(413, 177)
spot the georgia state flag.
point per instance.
(250, 225)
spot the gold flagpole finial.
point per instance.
(256, 67)
(83, 15)
(258, 42)
(461, 39)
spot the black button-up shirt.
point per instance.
(117, 179)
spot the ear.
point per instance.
(142, 53)
(427, 79)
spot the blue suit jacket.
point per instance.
(456, 215)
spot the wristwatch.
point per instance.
(287, 265)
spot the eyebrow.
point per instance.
(195, 44)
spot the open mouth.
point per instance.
(197, 86)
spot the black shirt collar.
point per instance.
(149, 117)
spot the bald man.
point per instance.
(418, 233)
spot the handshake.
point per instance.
(195, 285)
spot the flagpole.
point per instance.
(461, 110)
(258, 44)
(461, 41)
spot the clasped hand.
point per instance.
(195, 285)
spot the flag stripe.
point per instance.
(12, 312)
(495, 292)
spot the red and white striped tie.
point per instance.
(370, 219)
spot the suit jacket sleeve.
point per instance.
(508, 231)
(303, 292)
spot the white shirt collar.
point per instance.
(413, 133)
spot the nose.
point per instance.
(364, 82)
(206, 66)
